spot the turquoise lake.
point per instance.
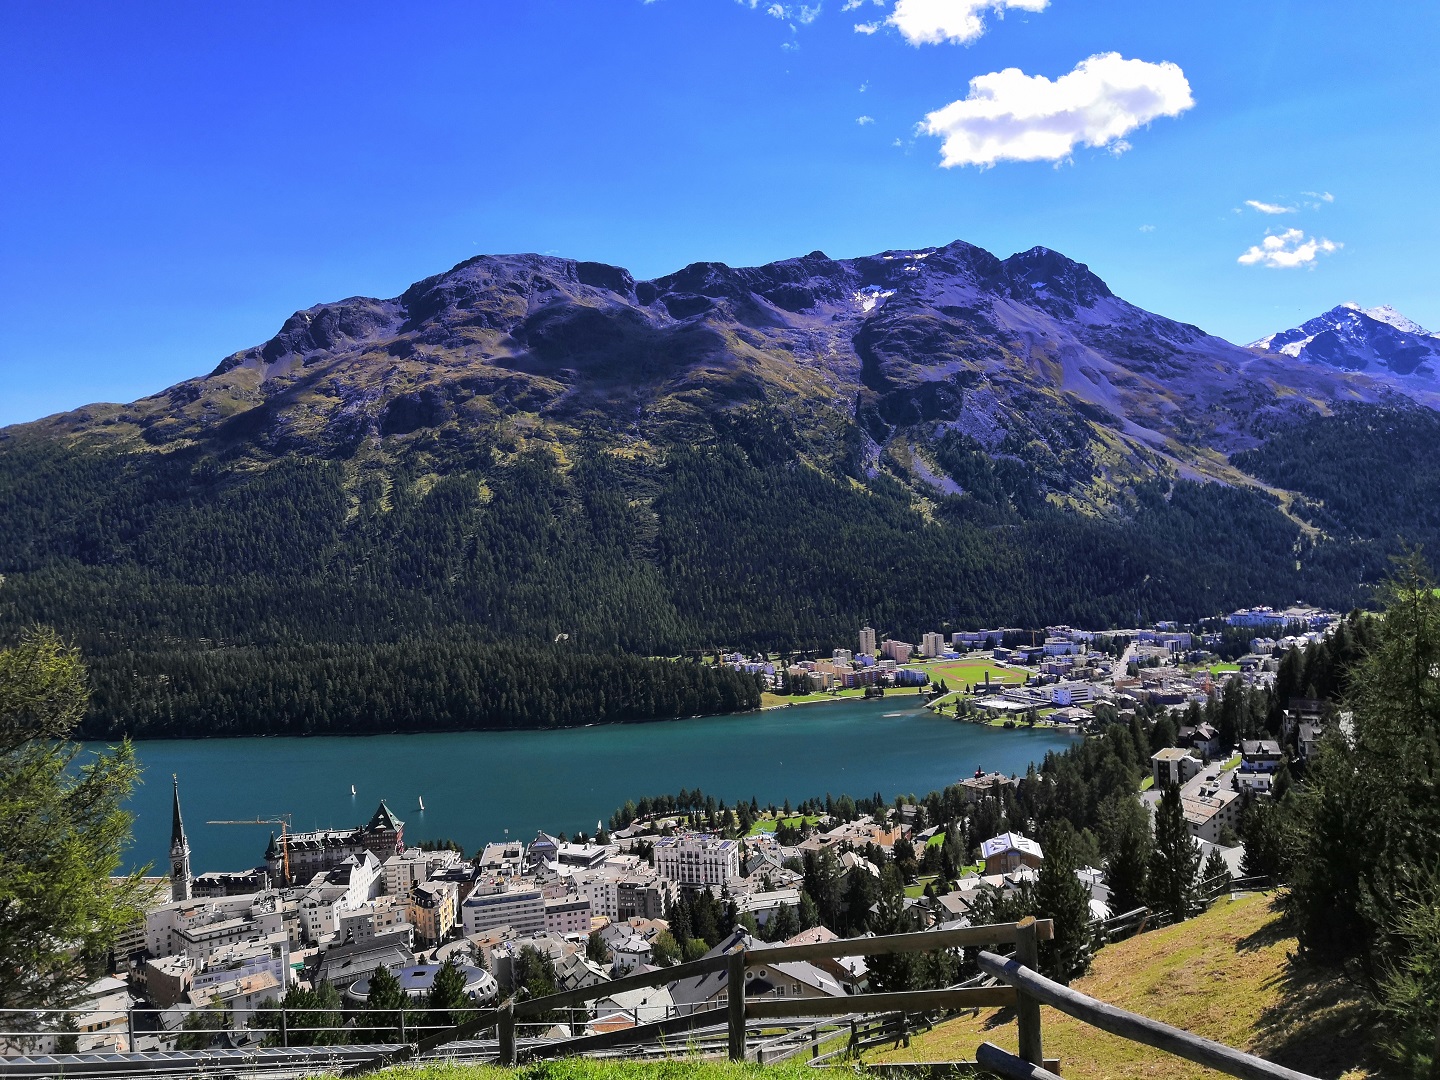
(476, 785)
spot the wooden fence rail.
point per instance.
(1033, 986)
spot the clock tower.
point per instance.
(179, 851)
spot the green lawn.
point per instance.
(914, 892)
(769, 825)
(771, 701)
(971, 669)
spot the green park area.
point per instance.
(969, 670)
(769, 825)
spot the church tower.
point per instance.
(179, 852)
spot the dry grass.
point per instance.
(1228, 975)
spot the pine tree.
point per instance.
(1216, 872)
(1063, 897)
(447, 993)
(1125, 844)
(312, 1017)
(809, 912)
(597, 951)
(385, 1006)
(1174, 861)
(783, 925)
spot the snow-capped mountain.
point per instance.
(1378, 341)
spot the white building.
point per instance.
(867, 640)
(567, 915)
(523, 910)
(697, 861)
(932, 645)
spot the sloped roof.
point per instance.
(1010, 841)
(384, 819)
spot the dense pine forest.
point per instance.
(445, 585)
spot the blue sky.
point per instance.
(178, 178)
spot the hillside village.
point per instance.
(333, 906)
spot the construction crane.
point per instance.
(283, 821)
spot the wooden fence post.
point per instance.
(1027, 1008)
(506, 1033)
(735, 988)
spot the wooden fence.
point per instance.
(738, 1008)
(1018, 984)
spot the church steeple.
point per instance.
(179, 850)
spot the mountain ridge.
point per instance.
(1378, 341)
(864, 355)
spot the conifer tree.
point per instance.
(1125, 843)
(447, 993)
(1174, 861)
(1063, 897)
(384, 1006)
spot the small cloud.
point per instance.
(1269, 208)
(850, 5)
(1323, 196)
(866, 27)
(930, 22)
(1147, 228)
(1011, 116)
(790, 46)
(864, 86)
(897, 142)
(863, 120)
(1286, 250)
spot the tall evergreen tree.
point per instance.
(1215, 874)
(447, 997)
(1174, 861)
(385, 1007)
(1125, 843)
(1063, 897)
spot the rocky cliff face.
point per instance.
(868, 362)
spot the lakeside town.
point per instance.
(332, 907)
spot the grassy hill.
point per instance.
(1229, 975)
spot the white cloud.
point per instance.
(930, 22)
(1323, 196)
(1291, 248)
(863, 120)
(1269, 208)
(1011, 116)
(850, 5)
(1147, 228)
(864, 86)
(866, 27)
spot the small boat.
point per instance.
(422, 804)
(352, 790)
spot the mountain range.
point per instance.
(542, 453)
(1031, 358)
(1378, 341)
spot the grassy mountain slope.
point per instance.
(1229, 975)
